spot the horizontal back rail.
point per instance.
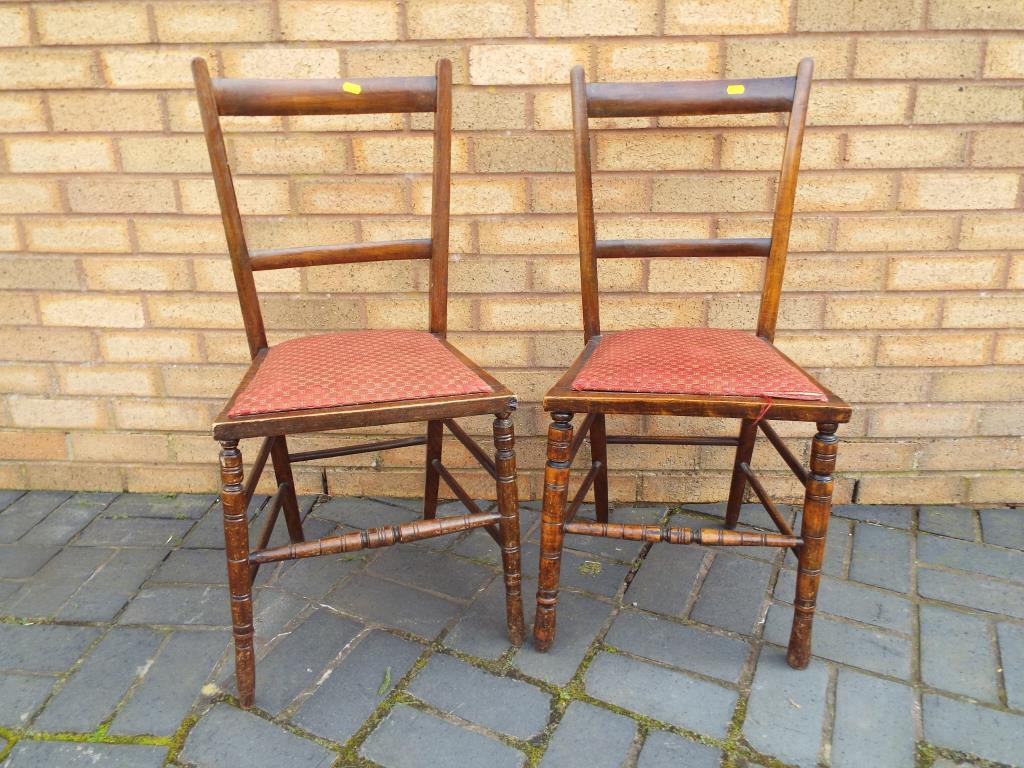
(351, 253)
(709, 97)
(632, 249)
(325, 97)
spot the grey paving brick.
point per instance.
(893, 516)
(340, 705)
(732, 594)
(482, 630)
(881, 556)
(1011, 652)
(112, 586)
(364, 513)
(297, 660)
(681, 646)
(838, 544)
(19, 517)
(19, 561)
(666, 750)
(208, 533)
(34, 754)
(751, 515)
(314, 577)
(585, 572)
(171, 684)
(666, 580)
(9, 497)
(957, 653)
(671, 697)
(973, 592)
(43, 647)
(1004, 527)
(273, 611)
(589, 737)
(499, 703)
(874, 722)
(191, 605)
(64, 523)
(312, 528)
(91, 694)
(987, 733)
(854, 601)
(957, 522)
(428, 570)
(579, 619)
(134, 532)
(20, 696)
(437, 743)
(854, 644)
(393, 605)
(786, 710)
(7, 589)
(195, 566)
(55, 582)
(177, 506)
(228, 736)
(966, 556)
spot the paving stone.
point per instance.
(229, 736)
(881, 556)
(7, 589)
(579, 620)
(273, 611)
(732, 594)
(19, 561)
(91, 694)
(178, 506)
(43, 647)
(1011, 651)
(987, 733)
(854, 601)
(666, 750)
(838, 544)
(499, 703)
(976, 593)
(20, 696)
(854, 644)
(1004, 527)
(353, 690)
(428, 570)
(208, 533)
(296, 661)
(393, 605)
(134, 532)
(113, 585)
(55, 582)
(19, 517)
(64, 523)
(893, 516)
(195, 566)
(874, 722)
(437, 743)
(312, 528)
(171, 684)
(33, 754)
(957, 653)
(9, 497)
(662, 694)
(957, 522)
(751, 515)
(588, 573)
(191, 605)
(589, 737)
(314, 577)
(966, 556)
(364, 513)
(666, 580)
(680, 646)
(786, 709)
(482, 631)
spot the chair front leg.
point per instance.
(236, 548)
(290, 502)
(556, 488)
(817, 506)
(508, 508)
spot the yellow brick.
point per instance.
(484, 110)
(986, 231)
(620, 313)
(323, 20)
(858, 104)
(844, 191)
(281, 62)
(180, 234)
(903, 233)
(887, 456)
(47, 344)
(136, 274)
(152, 68)
(14, 26)
(90, 235)
(149, 347)
(950, 273)
(194, 311)
(557, 350)
(164, 154)
(10, 240)
(877, 385)
(840, 350)
(91, 310)
(935, 350)
(375, 229)
(975, 14)
(215, 275)
(352, 197)
(612, 194)
(917, 57)
(562, 275)
(910, 147)
(440, 19)
(547, 236)
(711, 194)
(959, 191)
(973, 453)
(18, 309)
(995, 488)
(663, 152)
(163, 414)
(33, 273)
(1009, 348)
(705, 275)
(310, 313)
(21, 112)
(92, 23)
(651, 227)
(488, 276)
(1004, 58)
(1001, 420)
(522, 152)
(471, 195)
(762, 151)
(1015, 278)
(24, 379)
(107, 380)
(698, 17)
(57, 413)
(529, 313)
(60, 155)
(183, 114)
(119, 447)
(213, 22)
(216, 381)
(299, 153)
(998, 147)
(60, 475)
(989, 383)
(585, 17)
(255, 196)
(881, 312)
(842, 15)
(402, 154)
(121, 195)
(412, 313)
(666, 60)
(775, 57)
(525, 64)
(809, 233)
(839, 273)
(377, 277)
(910, 489)
(491, 350)
(969, 103)
(173, 479)
(405, 60)
(33, 446)
(984, 312)
(105, 111)
(29, 195)
(29, 69)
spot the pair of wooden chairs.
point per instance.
(368, 378)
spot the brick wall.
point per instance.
(119, 329)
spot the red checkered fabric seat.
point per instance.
(353, 368)
(693, 361)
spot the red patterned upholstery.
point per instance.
(352, 368)
(693, 361)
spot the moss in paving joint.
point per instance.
(178, 739)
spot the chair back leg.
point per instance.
(744, 451)
(435, 435)
(289, 502)
(508, 508)
(556, 489)
(599, 453)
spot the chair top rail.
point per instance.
(363, 95)
(630, 249)
(707, 97)
(354, 253)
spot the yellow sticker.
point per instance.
(348, 87)
(735, 90)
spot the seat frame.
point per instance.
(221, 97)
(782, 94)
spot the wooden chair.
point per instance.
(689, 372)
(354, 379)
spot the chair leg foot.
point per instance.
(508, 508)
(599, 452)
(817, 507)
(744, 450)
(556, 488)
(435, 438)
(236, 547)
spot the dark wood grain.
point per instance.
(325, 96)
(556, 488)
(351, 253)
(654, 249)
(711, 97)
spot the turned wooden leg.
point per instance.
(435, 437)
(745, 449)
(290, 502)
(599, 452)
(236, 547)
(817, 505)
(508, 508)
(556, 487)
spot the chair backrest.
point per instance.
(715, 97)
(219, 97)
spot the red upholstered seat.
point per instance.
(352, 368)
(693, 361)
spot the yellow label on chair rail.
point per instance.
(355, 88)
(735, 90)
